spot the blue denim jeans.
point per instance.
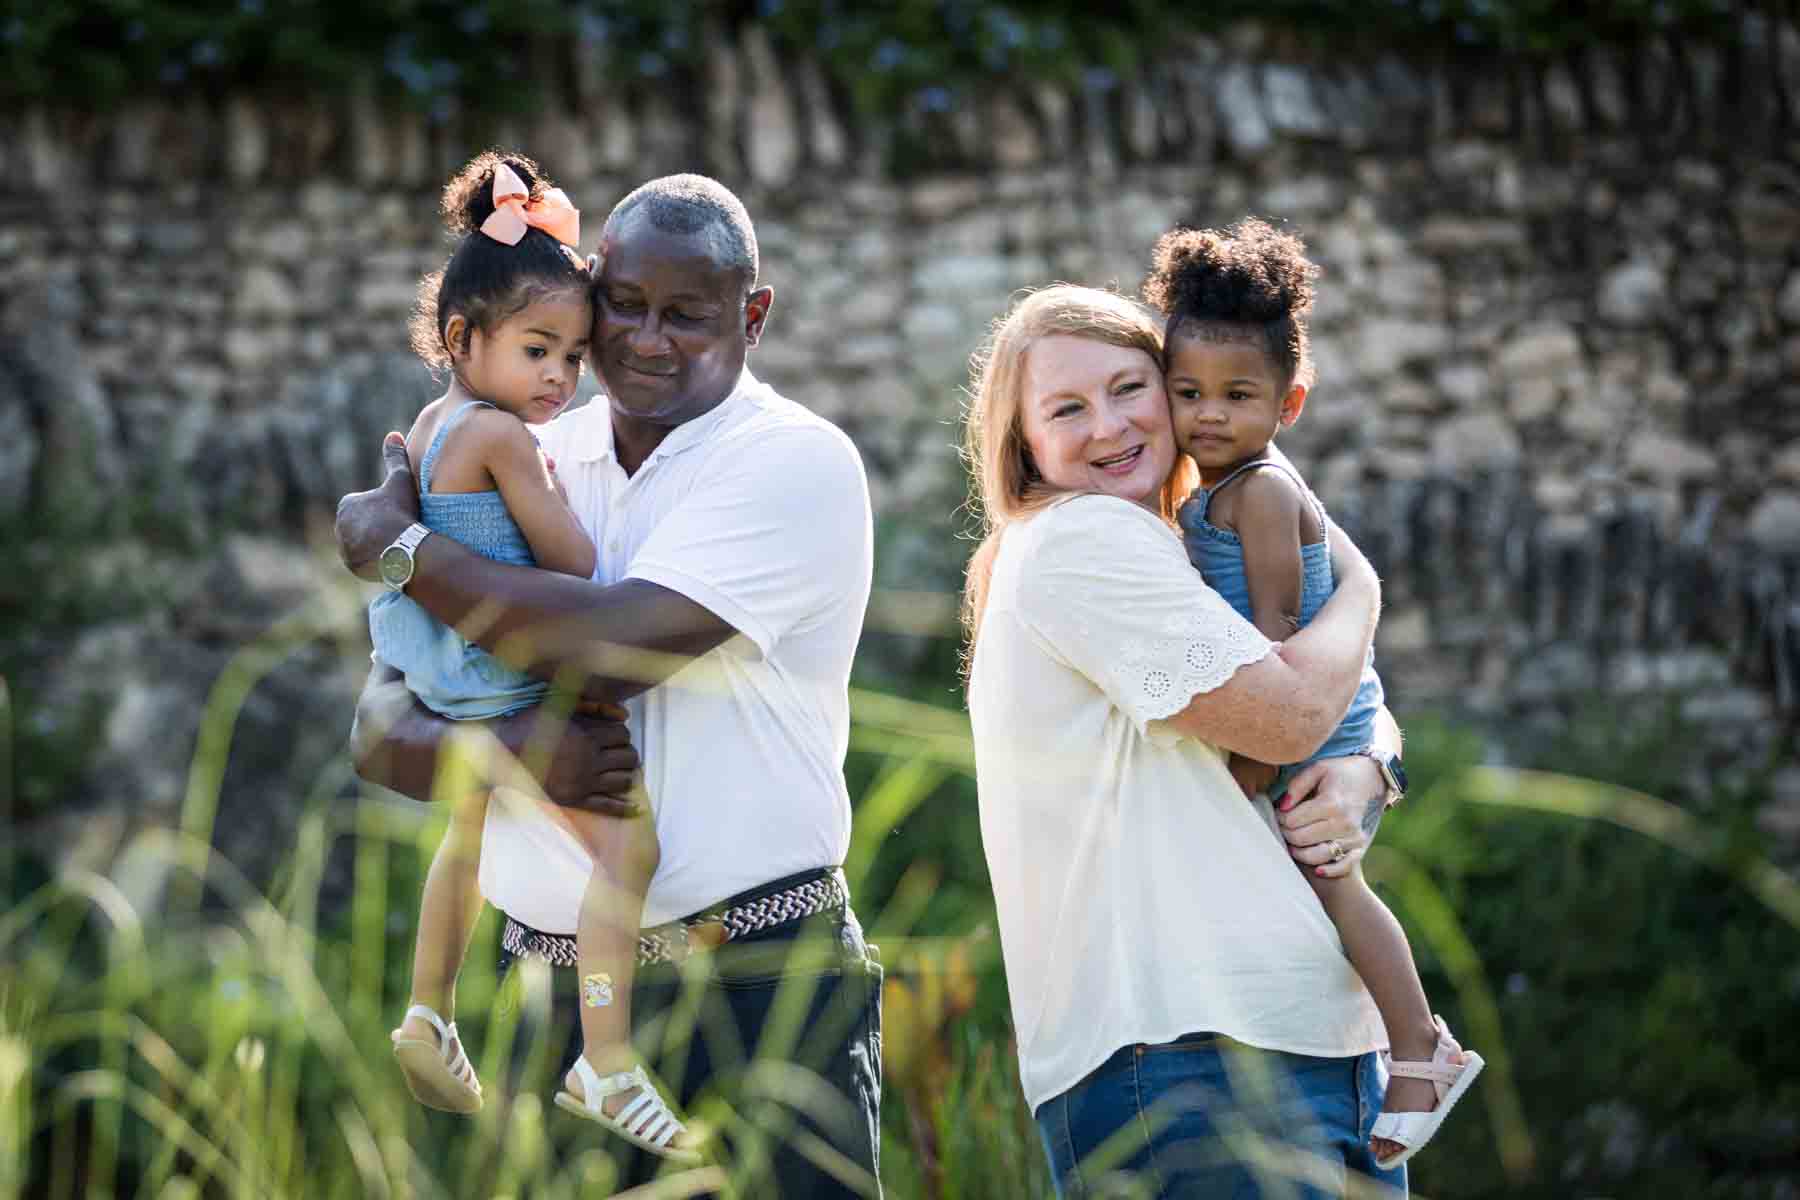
(1205, 1116)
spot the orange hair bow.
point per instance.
(515, 211)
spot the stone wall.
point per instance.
(1582, 278)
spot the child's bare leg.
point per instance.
(625, 856)
(1377, 948)
(447, 914)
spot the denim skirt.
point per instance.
(1205, 1116)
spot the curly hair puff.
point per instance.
(1249, 275)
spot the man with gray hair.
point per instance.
(735, 554)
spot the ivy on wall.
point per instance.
(881, 57)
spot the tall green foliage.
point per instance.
(1628, 967)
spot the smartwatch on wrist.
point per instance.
(1392, 773)
(396, 562)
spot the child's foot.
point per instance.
(627, 1103)
(438, 1072)
(1403, 1096)
(1419, 1096)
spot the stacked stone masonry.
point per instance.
(1572, 291)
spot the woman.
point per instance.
(1183, 1007)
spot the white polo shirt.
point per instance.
(759, 512)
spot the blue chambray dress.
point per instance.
(452, 676)
(1219, 557)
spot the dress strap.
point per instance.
(431, 452)
(1275, 465)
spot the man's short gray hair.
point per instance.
(697, 204)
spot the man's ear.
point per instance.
(1293, 404)
(756, 313)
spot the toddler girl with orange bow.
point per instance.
(509, 317)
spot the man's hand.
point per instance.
(1332, 805)
(592, 764)
(368, 522)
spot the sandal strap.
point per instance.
(450, 1043)
(1401, 1127)
(601, 1086)
(1437, 1072)
(458, 1062)
(429, 1015)
(647, 1115)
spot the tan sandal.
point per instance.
(1451, 1070)
(438, 1074)
(645, 1122)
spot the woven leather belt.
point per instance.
(676, 941)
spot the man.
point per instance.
(735, 555)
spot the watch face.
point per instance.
(1398, 773)
(396, 566)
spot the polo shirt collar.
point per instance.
(599, 446)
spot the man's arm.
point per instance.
(590, 763)
(615, 641)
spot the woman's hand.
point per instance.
(368, 522)
(1330, 813)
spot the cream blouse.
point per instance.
(1140, 895)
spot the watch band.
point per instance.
(411, 536)
(1392, 773)
(405, 544)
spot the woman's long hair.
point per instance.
(1004, 486)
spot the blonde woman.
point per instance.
(1182, 1003)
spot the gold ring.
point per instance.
(1338, 853)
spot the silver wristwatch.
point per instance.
(396, 561)
(1392, 773)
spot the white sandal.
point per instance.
(1449, 1078)
(645, 1121)
(437, 1073)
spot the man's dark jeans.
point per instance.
(775, 1039)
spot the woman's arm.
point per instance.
(395, 740)
(513, 458)
(1283, 707)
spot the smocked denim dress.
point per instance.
(1219, 557)
(452, 676)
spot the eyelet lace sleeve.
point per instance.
(1200, 650)
(1110, 592)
